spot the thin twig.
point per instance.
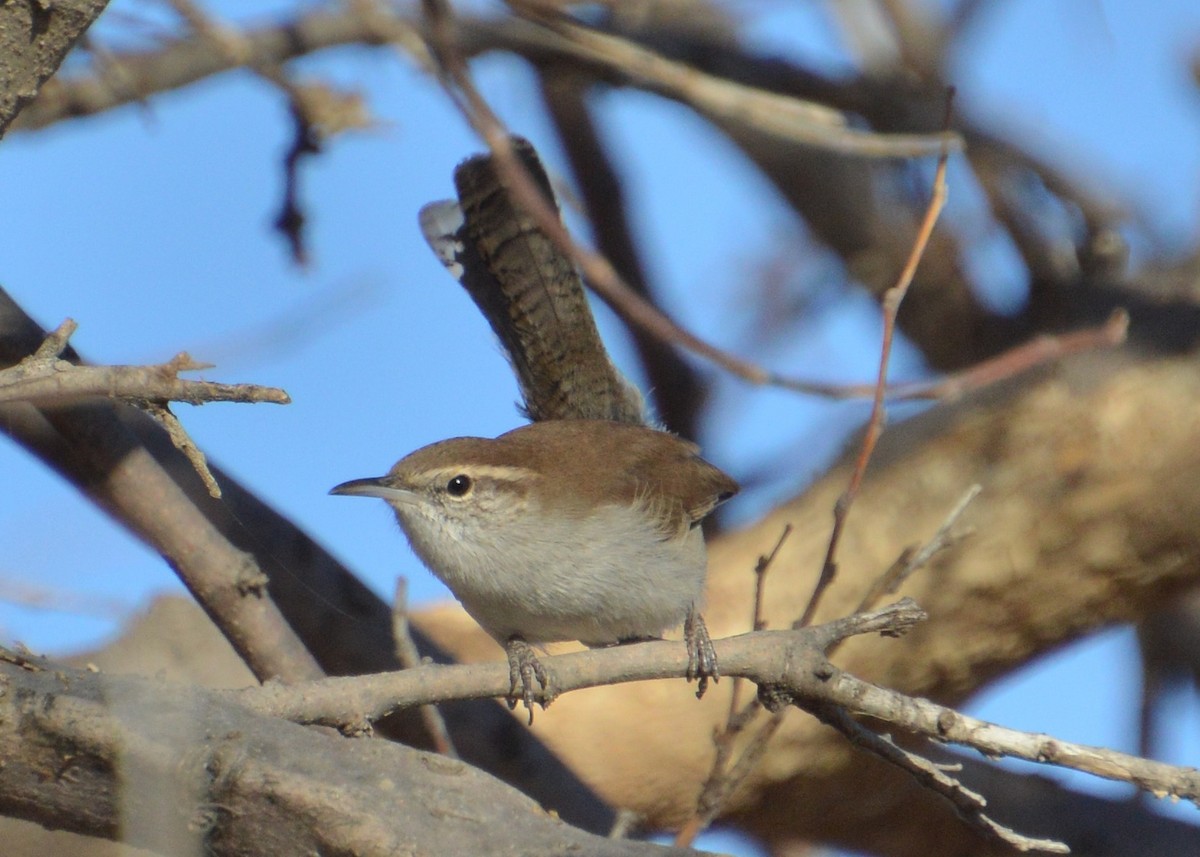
(943, 724)
(55, 343)
(291, 218)
(762, 656)
(182, 441)
(722, 782)
(56, 382)
(722, 779)
(760, 574)
(892, 299)
(758, 621)
(409, 657)
(1029, 355)
(310, 107)
(913, 558)
(969, 804)
(99, 445)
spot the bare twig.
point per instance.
(722, 779)
(55, 342)
(43, 379)
(409, 657)
(55, 382)
(183, 442)
(760, 578)
(969, 804)
(291, 218)
(1029, 355)
(318, 112)
(891, 306)
(943, 724)
(311, 108)
(913, 558)
(121, 475)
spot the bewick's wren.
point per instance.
(562, 530)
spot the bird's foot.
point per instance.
(524, 669)
(702, 657)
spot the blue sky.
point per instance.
(151, 228)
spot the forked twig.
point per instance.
(43, 379)
(892, 299)
(912, 559)
(969, 804)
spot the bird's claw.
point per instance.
(524, 669)
(702, 657)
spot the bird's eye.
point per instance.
(459, 486)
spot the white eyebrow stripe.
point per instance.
(499, 472)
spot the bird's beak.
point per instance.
(376, 486)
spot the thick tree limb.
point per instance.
(35, 37)
(243, 784)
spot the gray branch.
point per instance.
(223, 780)
(788, 666)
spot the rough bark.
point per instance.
(34, 39)
(177, 769)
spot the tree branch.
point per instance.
(239, 783)
(57, 382)
(789, 666)
(35, 38)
